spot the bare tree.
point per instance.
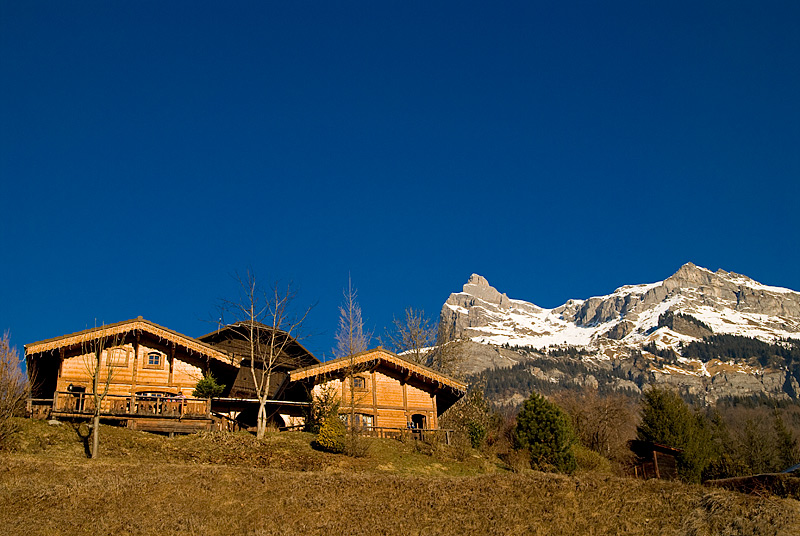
(270, 326)
(101, 374)
(448, 353)
(14, 388)
(413, 335)
(603, 423)
(351, 339)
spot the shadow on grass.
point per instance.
(84, 432)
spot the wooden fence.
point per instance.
(385, 432)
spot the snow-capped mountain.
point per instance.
(691, 304)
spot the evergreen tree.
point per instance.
(208, 387)
(544, 430)
(332, 436)
(786, 445)
(667, 420)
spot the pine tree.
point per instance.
(208, 387)
(667, 420)
(544, 430)
(786, 445)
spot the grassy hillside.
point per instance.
(218, 484)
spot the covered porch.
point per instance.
(149, 413)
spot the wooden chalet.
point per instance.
(391, 393)
(654, 460)
(150, 372)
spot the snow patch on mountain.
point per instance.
(726, 302)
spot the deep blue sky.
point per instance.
(149, 150)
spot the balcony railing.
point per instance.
(386, 432)
(413, 433)
(68, 403)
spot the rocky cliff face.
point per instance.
(611, 330)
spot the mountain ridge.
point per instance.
(648, 320)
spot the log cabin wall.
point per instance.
(390, 401)
(145, 366)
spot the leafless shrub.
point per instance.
(518, 461)
(14, 390)
(603, 424)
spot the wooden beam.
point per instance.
(135, 364)
(60, 363)
(405, 401)
(435, 419)
(374, 400)
(172, 362)
(655, 464)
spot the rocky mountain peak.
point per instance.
(727, 302)
(689, 275)
(479, 287)
(637, 326)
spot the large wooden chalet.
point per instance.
(150, 372)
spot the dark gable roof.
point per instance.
(236, 331)
(120, 328)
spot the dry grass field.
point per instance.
(230, 484)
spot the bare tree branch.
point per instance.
(413, 335)
(94, 350)
(14, 388)
(351, 340)
(270, 327)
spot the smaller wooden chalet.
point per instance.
(654, 460)
(150, 372)
(233, 341)
(390, 392)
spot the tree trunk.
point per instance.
(96, 436)
(97, 400)
(262, 421)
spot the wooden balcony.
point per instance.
(66, 404)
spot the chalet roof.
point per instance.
(293, 347)
(119, 328)
(639, 446)
(420, 372)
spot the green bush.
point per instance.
(477, 433)
(332, 435)
(544, 430)
(208, 387)
(587, 460)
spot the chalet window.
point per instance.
(154, 360)
(362, 420)
(359, 382)
(117, 357)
